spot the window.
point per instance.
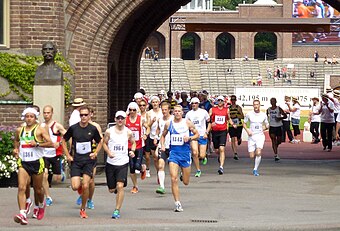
(4, 23)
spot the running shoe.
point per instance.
(116, 214)
(28, 207)
(134, 190)
(205, 161)
(198, 173)
(83, 214)
(220, 171)
(41, 212)
(143, 175)
(148, 173)
(236, 157)
(277, 158)
(160, 190)
(35, 212)
(20, 218)
(255, 173)
(178, 208)
(48, 201)
(90, 204)
(79, 200)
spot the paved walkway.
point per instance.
(294, 194)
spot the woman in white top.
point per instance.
(295, 116)
(326, 112)
(314, 120)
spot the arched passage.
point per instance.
(265, 45)
(225, 46)
(157, 41)
(105, 40)
(190, 46)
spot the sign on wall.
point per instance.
(246, 95)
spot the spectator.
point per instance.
(246, 58)
(316, 56)
(312, 74)
(269, 73)
(206, 57)
(155, 57)
(325, 61)
(201, 58)
(259, 80)
(147, 52)
(334, 61)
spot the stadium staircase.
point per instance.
(222, 76)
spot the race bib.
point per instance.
(256, 127)
(83, 147)
(28, 155)
(196, 122)
(118, 148)
(235, 121)
(219, 119)
(177, 139)
(135, 135)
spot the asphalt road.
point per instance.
(294, 194)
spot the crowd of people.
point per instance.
(173, 131)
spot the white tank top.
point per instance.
(161, 125)
(273, 115)
(118, 145)
(153, 128)
(50, 152)
(143, 120)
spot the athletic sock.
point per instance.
(257, 162)
(23, 212)
(41, 205)
(28, 200)
(161, 177)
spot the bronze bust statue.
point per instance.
(49, 73)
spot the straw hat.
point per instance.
(336, 93)
(294, 98)
(316, 98)
(77, 102)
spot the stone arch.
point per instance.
(190, 46)
(156, 40)
(105, 43)
(265, 45)
(225, 46)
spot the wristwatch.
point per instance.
(37, 144)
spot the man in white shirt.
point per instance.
(256, 138)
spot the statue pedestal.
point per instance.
(50, 95)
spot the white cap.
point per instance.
(162, 92)
(195, 100)
(220, 97)
(29, 110)
(133, 105)
(138, 95)
(120, 113)
(155, 98)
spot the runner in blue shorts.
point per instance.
(180, 157)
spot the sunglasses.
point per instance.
(194, 103)
(142, 105)
(220, 100)
(81, 115)
(120, 118)
(132, 110)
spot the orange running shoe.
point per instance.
(143, 170)
(83, 214)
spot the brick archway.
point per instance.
(104, 43)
